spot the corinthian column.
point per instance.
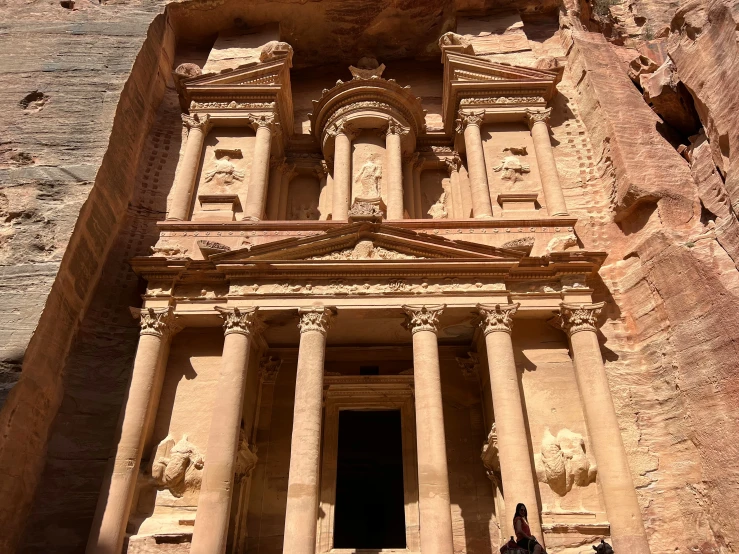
(344, 134)
(302, 487)
(469, 123)
(214, 502)
(256, 195)
(513, 446)
(114, 504)
(184, 184)
(394, 159)
(614, 476)
(433, 474)
(538, 121)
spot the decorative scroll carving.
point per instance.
(512, 168)
(563, 462)
(262, 120)
(197, 121)
(223, 170)
(469, 118)
(239, 320)
(422, 318)
(579, 317)
(246, 458)
(154, 321)
(232, 105)
(210, 247)
(524, 244)
(276, 50)
(269, 367)
(538, 116)
(315, 319)
(177, 466)
(365, 250)
(503, 100)
(469, 366)
(497, 317)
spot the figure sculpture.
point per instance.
(224, 172)
(368, 180)
(512, 168)
(563, 462)
(438, 209)
(177, 466)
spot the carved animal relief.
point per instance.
(177, 466)
(223, 171)
(563, 462)
(511, 167)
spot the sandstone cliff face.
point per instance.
(90, 106)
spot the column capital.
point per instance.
(579, 317)
(197, 121)
(422, 318)
(342, 127)
(243, 321)
(538, 116)
(497, 317)
(258, 121)
(269, 366)
(155, 321)
(315, 319)
(466, 118)
(395, 128)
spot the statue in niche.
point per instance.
(224, 172)
(438, 209)
(563, 463)
(511, 166)
(177, 466)
(368, 180)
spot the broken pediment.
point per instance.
(367, 242)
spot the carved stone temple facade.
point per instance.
(372, 263)
(362, 289)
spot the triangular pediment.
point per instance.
(466, 67)
(270, 73)
(366, 242)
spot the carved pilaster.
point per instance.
(239, 320)
(466, 118)
(538, 116)
(197, 121)
(269, 367)
(496, 317)
(155, 321)
(469, 366)
(579, 317)
(422, 318)
(315, 319)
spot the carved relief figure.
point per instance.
(223, 171)
(304, 211)
(438, 209)
(563, 462)
(511, 166)
(367, 180)
(177, 466)
(246, 458)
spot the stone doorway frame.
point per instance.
(367, 393)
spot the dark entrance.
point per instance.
(369, 509)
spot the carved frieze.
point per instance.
(365, 250)
(232, 105)
(502, 100)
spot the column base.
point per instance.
(251, 218)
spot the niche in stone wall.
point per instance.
(224, 174)
(302, 198)
(510, 161)
(435, 194)
(367, 165)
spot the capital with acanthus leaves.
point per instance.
(422, 318)
(497, 317)
(155, 322)
(243, 321)
(262, 121)
(315, 319)
(579, 317)
(538, 116)
(467, 118)
(202, 122)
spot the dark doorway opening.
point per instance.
(370, 507)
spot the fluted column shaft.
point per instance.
(481, 205)
(409, 201)
(275, 188)
(342, 172)
(614, 475)
(394, 159)
(516, 471)
(184, 185)
(302, 489)
(114, 504)
(539, 124)
(214, 503)
(256, 196)
(433, 473)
